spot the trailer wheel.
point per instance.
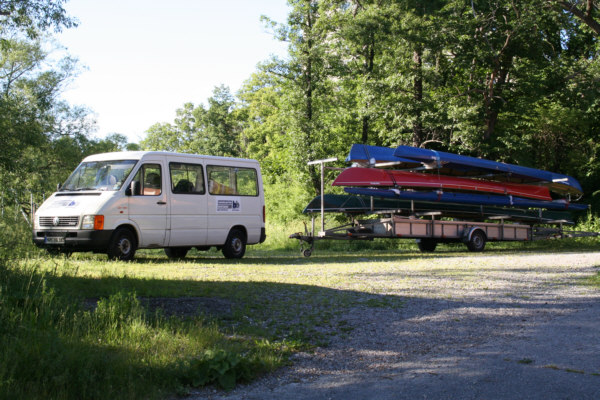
(122, 245)
(176, 253)
(306, 252)
(235, 245)
(427, 245)
(477, 241)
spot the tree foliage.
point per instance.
(42, 137)
(212, 130)
(513, 81)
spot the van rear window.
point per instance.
(234, 181)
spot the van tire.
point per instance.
(122, 245)
(176, 253)
(235, 245)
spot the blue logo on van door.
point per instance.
(228, 205)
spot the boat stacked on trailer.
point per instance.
(437, 197)
(429, 176)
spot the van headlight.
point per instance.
(95, 222)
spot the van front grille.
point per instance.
(57, 222)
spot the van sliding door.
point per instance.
(188, 205)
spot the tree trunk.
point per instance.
(418, 97)
(368, 70)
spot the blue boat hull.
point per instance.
(356, 204)
(456, 164)
(369, 155)
(468, 198)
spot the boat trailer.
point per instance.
(407, 223)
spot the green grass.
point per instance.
(595, 280)
(278, 302)
(52, 347)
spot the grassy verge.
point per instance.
(53, 347)
(595, 280)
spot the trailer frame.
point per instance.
(429, 232)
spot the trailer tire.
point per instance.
(427, 245)
(477, 241)
(176, 253)
(235, 245)
(122, 245)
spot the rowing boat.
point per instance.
(468, 198)
(455, 164)
(356, 204)
(357, 176)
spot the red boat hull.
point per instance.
(403, 179)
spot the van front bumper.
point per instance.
(72, 240)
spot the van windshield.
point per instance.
(99, 175)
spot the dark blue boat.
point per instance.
(468, 198)
(355, 204)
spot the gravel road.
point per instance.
(515, 326)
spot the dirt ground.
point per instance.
(519, 326)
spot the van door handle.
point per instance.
(161, 202)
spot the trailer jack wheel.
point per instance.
(307, 252)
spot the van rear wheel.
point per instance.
(122, 245)
(176, 253)
(235, 245)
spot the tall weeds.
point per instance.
(53, 346)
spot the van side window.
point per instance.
(232, 180)
(186, 178)
(149, 180)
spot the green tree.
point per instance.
(33, 17)
(218, 128)
(42, 137)
(213, 131)
(265, 132)
(584, 10)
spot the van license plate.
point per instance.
(55, 240)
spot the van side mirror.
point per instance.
(133, 189)
(58, 186)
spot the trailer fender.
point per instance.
(468, 233)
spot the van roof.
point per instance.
(138, 155)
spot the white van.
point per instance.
(116, 203)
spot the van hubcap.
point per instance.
(236, 245)
(124, 246)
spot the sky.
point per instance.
(142, 60)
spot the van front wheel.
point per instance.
(235, 245)
(122, 245)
